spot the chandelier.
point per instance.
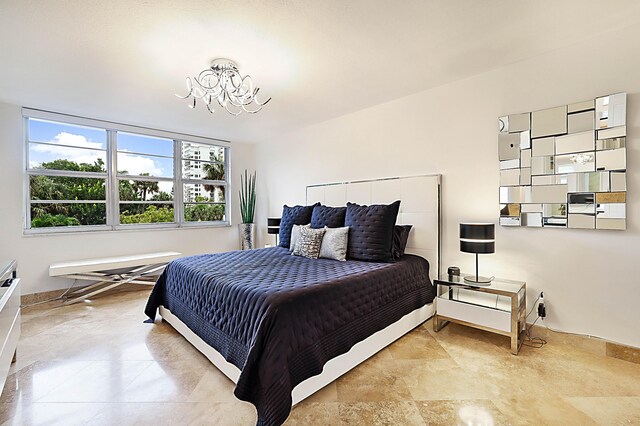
(223, 83)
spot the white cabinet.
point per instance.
(9, 320)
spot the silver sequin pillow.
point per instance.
(308, 245)
(295, 234)
(334, 243)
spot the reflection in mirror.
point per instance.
(618, 224)
(543, 180)
(544, 146)
(618, 181)
(509, 146)
(577, 142)
(510, 177)
(581, 198)
(558, 222)
(572, 163)
(549, 122)
(554, 210)
(614, 132)
(503, 124)
(525, 157)
(613, 159)
(525, 176)
(611, 197)
(581, 122)
(519, 122)
(542, 165)
(613, 143)
(582, 208)
(531, 208)
(531, 219)
(581, 106)
(549, 194)
(509, 209)
(589, 182)
(525, 140)
(509, 164)
(611, 111)
(611, 210)
(509, 221)
(515, 194)
(582, 221)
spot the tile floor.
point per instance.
(97, 363)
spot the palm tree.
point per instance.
(214, 171)
(145, 187)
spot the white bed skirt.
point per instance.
(333, 368)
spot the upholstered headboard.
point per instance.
(420, 207)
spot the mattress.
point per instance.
(280, 318)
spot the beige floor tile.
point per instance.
(461, 412)
(609, 410)
(98, 363)
(50, 414)
(314, 413)
(379, 413)
(541, 411)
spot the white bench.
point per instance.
(111, 272)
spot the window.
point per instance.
(84, 174)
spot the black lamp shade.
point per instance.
(273, 221)
(477, 238)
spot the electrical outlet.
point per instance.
(542, 309)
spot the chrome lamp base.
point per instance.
(478, 280)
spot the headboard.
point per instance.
(420, 206)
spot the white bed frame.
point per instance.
(420, 206)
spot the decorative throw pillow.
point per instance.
(371, 233)
(308, 245)
(332, 217)
(400, 238)
(295, 234)
(296, 215)
(334, 243)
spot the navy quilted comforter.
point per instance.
(279, 318)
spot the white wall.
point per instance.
(34, 253)
(591, 279)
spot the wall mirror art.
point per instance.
(565, 167)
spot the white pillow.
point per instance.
(334, 243)
(295, 235)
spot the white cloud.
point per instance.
(134, 164)
(137, 164)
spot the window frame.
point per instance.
(112, 178)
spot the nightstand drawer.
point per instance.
(475, 314)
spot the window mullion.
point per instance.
(178, 200)
(113, 195)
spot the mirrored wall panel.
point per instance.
(565, 167)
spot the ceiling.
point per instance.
(123, 60)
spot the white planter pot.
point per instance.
(247, 235)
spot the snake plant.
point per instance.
(247, 196)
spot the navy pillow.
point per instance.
(371, 231)
(296, 215)
(331, 217)
(400, 238)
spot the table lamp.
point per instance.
(273, 227)
(478, 238)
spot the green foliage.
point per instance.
(247, 196)
(203, 212)
(48, 220)
(214, 171)
(74, 214)
(151, 214)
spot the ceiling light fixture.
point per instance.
(222, 82)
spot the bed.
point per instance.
(281, 326)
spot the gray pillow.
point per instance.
(295, 234)
(308, 245)
(334, 243)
